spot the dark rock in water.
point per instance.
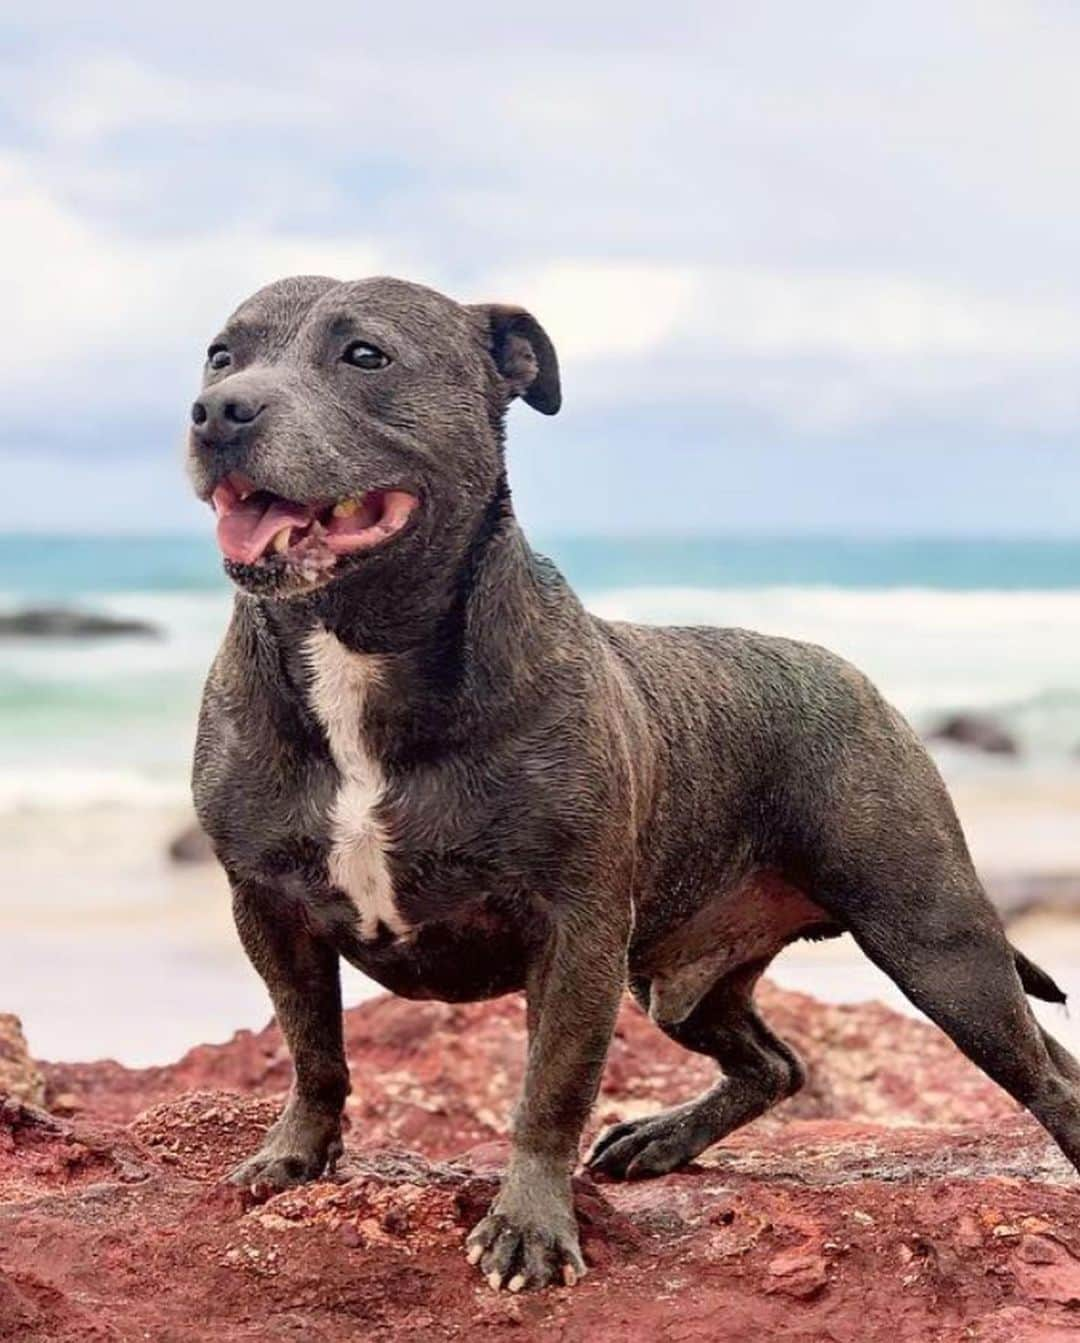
(54, 622)
(979, 731)
(191, 845)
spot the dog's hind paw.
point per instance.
(656, 1145)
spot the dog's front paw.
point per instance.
(518, 1252)
(295, 1151)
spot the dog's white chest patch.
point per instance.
(357, 864)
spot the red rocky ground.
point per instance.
(900, 1197)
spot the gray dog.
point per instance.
(419, 752)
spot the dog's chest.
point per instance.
(357, 863)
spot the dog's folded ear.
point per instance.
(523, 354)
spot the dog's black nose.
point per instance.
(223, 416)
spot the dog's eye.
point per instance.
(362, 355)
(217, 356)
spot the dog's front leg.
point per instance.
(529, 1237)
(302, 974)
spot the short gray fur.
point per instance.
(570, 806)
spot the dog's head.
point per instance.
(344, 426)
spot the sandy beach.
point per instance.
(107, 948)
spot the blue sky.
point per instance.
(809, 268)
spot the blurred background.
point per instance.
(812, 274)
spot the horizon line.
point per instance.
(629, 535)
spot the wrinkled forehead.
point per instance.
(396, 311)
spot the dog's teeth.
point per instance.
(281, 540)
(346, 508)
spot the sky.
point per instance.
(809, 268)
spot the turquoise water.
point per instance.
(938, 624)
(58, 568)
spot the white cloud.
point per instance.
(98, 95)
(602, 309)
(797, 223)
(90, 303)
(824, 237)
(606, 309)
(125, 317)
(816, 351)
(868, 315)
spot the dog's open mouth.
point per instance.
(255, 526)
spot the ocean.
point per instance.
(108, 948)
(940, 625)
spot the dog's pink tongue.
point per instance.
(245, 531)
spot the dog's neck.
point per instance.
(463, 658)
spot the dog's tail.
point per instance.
(1035, 981)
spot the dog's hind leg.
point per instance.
(759, 1071)
(948, 952)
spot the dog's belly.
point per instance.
(745, 925)
(476, 955)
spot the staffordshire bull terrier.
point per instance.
(418, 751)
